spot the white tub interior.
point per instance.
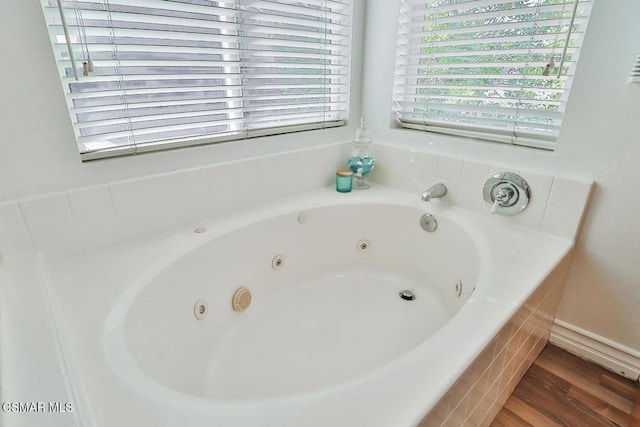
(331, 313)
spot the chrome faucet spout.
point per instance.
(434, 192)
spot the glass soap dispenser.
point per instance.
(361, 161)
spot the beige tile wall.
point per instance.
(479, 394)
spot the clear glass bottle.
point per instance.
(361, 162)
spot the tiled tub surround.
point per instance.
(81, 222)
(557, 202)
(479, 394)
(65, 224)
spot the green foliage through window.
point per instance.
(493, 69)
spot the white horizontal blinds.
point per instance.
(185, 72)
(488, 69)
(295, 62)
(164, 71)
(634, 77)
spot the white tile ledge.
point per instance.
(65, 224)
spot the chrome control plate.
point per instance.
(506, 183)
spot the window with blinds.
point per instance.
(489, 69)
(145, 75)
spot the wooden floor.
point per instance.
(561, 389)
(635, 415)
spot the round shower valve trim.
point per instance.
(506, 193)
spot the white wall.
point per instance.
(600, 139)
(37, 145)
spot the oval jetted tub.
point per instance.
(325, 306)
(326, 309)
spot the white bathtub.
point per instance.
(326, 340)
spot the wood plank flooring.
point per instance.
(561, 389)
(635, 414)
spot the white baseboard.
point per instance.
(612, 356)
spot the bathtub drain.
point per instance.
(407, 295)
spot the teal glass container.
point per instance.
(344, 179)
